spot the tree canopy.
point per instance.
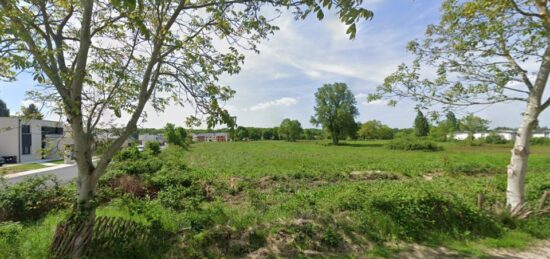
(421, 125)
(31, 112)
(473, 124)
(290, 130)
(375, 130)
(4, 111)
(176, 135)
(482, 52)
(335, 110)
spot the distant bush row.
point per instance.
(414, 144)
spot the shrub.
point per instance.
(418, 218)
(153, 147)
(181, 197)
(494, 138)
(413, 144)
(131, 161)
(130, 153)
(540, 141)
(32, 199)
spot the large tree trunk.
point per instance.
(517, 169)
(334, 138)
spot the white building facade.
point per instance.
(29, 140)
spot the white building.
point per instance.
(507, 135)
(30, 140)
(144, 138)
(211, 137)
(541, 134)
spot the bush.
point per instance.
(32, 199)
(540, 141)
(422, 217)
(413, 144)
(133, 162)
(494, 138)
(153, 147)
(181, 197)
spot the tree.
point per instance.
(452, 122)
(113, 57)
(32, 112)
(290, 130)
(442, 131)
(242, 133)
(176, 135)
(485, 52)
(267, 134)
(254, 133)
(4, 111)
(421, 125)
(473, 124)
(335, 110)
(374, 129)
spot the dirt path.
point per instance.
(540, 250)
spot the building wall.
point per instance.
(9, 137)
(11, 140)
(210, 137)
(464, 135)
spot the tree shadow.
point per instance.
(344, 144)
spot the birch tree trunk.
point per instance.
(517, 169)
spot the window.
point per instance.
(26, 139)
(52, 131)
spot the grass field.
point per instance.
(310, 199)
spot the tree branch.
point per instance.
(516, 7)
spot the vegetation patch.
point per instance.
(411, 144)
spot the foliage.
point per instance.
(335, 110)
(488, 46)
(255, 134)
(32, 112)
(442, 132)
(540, 141)
(240, 198)
(31, 199)
(419, 216)
(176, 135)
(4, 111)
(268, 134)
(494, 138)
(133, 162)
(472, 124)
(414, 144)
(375, 130)
(452, 121)
(290, 130)
(421, 125)
(242, 133)
(153, 147)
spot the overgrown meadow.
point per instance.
(275, 198)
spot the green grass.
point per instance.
(258, 159)
(356, 199)
(20, 168)
(58, 162)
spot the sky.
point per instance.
(281, 80)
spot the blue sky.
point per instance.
(280, 82)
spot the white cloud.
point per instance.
(285, 101)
